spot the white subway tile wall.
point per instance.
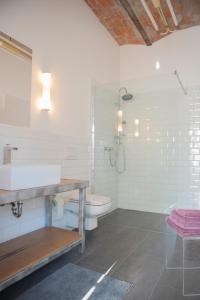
(37, 147)
(163, 151)
(162, 141)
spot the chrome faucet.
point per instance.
(7, 154)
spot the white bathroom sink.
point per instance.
(17, 177)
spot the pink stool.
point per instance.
(186, 224)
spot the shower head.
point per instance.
(126, 96)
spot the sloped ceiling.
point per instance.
(128, 22)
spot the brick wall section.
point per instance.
(113, 16)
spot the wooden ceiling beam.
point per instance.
(132, 15)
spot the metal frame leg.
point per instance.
(82, 198)
(48, 211)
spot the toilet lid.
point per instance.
(92, 199)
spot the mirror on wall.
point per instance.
(15, 82)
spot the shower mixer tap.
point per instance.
(108, 149)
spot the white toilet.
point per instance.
(96, 206)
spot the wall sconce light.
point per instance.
(45, 101)
(157, 65)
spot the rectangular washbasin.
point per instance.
(17, 177)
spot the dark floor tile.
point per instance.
(138, 219)
(102, 233)
(117, 217)
(163, 247)
(173, 280)
(138, 293)
(139, 267)
(154, 245)
(172, 277)
(191, 252)
(167, 292)
(114, 250)
(143, 271)
(192, 281)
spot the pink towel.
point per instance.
(186, 218)
(190, 213)
(181, 229)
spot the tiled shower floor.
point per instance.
(132, 245)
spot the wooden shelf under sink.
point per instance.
(25, 254)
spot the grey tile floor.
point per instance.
(131, 245)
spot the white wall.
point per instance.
(177, 51)
(15, 89)
(67, 40)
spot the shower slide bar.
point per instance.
(180, 82)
